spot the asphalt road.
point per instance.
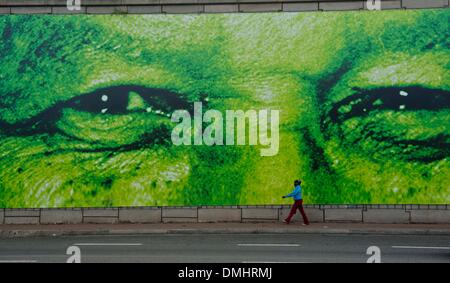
(235, 248)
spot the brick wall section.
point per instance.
(381, 214)
(203, 6)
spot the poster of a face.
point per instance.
(224, 109)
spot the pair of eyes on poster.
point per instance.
(363, 101)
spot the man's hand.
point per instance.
(283, 196)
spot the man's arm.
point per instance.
(293, 193)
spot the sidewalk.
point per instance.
(223, 228)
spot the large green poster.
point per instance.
(224, 109)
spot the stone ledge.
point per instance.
(61, 216)
(182, 9)
(179, 212)
(101, 212)
(21, 220)
(414, 4)
(264, 7)
(430, 216)
(406, 3)
(145, 9)
(299, 7)
(343, 215)
(440, 207)
(93, 2)
(5, 10)
(139, 215)
(26, 2)
(221, 8)
(65, 11)
(219, 215)
(107, 10)
(388, 216)
(204, 6)
(17, 212)
(31, 10)
(260, 213)
(143, 2)
(340, 6)
(382, 214)
(389, 5)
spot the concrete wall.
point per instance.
(266, 213)
(202, 6)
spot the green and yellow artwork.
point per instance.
(87, 107)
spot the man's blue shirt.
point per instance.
(297, 193)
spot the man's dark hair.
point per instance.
(297, 182)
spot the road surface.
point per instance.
(224, 248)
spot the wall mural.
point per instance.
(224, 109)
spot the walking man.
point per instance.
(297, 195)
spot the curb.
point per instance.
(48, 233)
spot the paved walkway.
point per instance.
(223, 228)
